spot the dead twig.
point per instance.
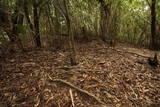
(70, 91)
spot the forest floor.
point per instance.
(103, 76)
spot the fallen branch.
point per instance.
(79, 90)
(129, 52)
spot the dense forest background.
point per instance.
(43, 23)
(79, 53)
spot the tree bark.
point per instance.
(34, 28)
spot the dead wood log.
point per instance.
(79, 90)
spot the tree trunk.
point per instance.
(17, 21)
(71, 38)
(106, 23)
(27, 16)
(34, 28)
(102, 26)
(36, 25)
(104, 16)
(153, 25)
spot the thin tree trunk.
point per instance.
(153, 25)
(36, 25)
(105, 18)
(34, 28)
(71, 38)
(27, 16)
(17, 20)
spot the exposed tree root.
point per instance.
(79, 90)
